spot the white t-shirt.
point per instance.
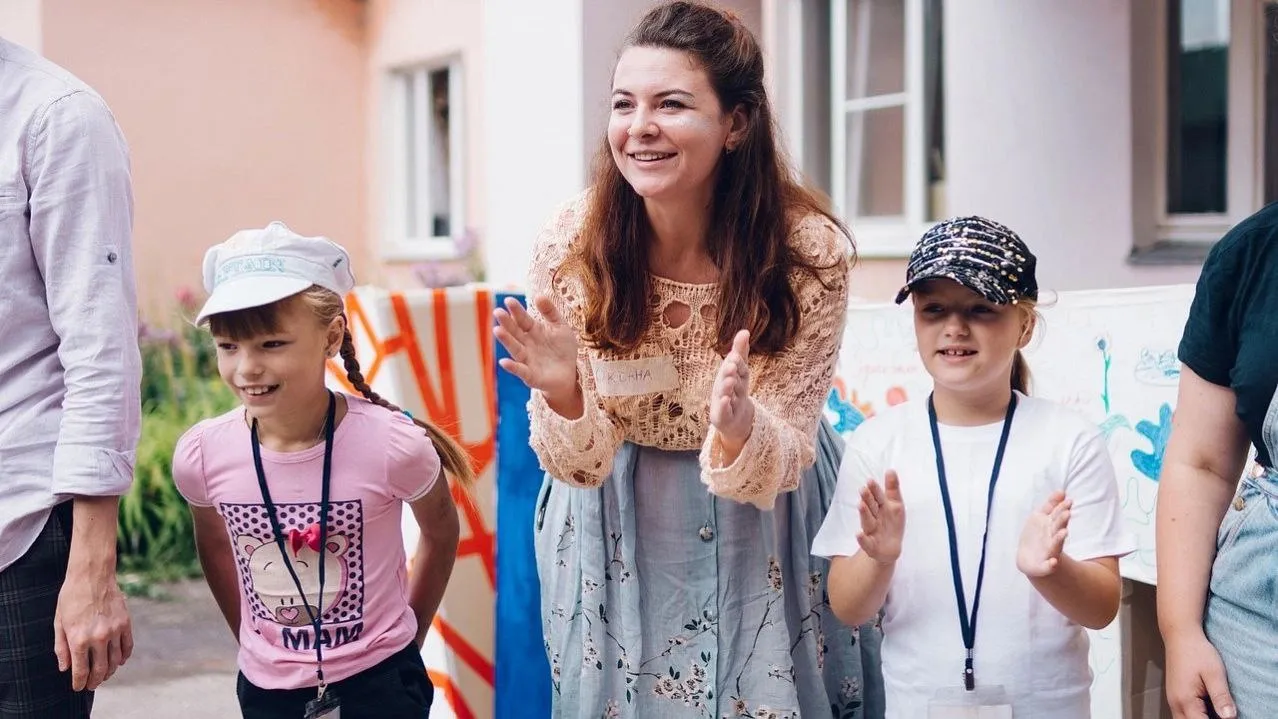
(1022, 642)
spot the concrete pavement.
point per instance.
(183, 662)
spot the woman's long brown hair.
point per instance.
(757, 202)
(327, 306)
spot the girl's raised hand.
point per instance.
(882, 519)
(1043, 538)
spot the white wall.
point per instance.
(20, 22)
(1039, 134)
(532, 124)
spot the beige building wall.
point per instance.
(20, 22)
(237, 112)
(876, 279)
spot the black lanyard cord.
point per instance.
(315, 616)
(968, 624)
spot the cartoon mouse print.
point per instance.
(273, 584)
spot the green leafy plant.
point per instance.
(180, 387)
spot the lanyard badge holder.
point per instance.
(969, 701)
(325, 705)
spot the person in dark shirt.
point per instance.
(1217, 537)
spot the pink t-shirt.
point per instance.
(380, 460)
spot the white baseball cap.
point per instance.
(258, 267)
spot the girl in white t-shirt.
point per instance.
(1014, 492)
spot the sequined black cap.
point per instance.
(980, 254)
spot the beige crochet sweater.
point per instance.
(658, 394)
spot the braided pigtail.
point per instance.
(454, 459)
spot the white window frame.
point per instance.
(883, 237)
(799, 97)
(1244, 188)
(396, 244)
(787, 29)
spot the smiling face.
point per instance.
(281, 367)
(668, 130)
(967, 343)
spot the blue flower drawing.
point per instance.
(1150, 464)
(849, 416)
(1102, 344)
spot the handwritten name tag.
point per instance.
(627, 378)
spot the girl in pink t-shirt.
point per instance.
(297, 496)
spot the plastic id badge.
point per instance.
(326, 707)
(980, 703)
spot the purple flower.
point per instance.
(442, 274)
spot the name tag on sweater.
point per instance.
(627, 378)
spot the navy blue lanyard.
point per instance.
(316, 615)
(968, 624)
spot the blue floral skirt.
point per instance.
(659, 599)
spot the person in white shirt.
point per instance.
(982, 522)
(69, 387)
